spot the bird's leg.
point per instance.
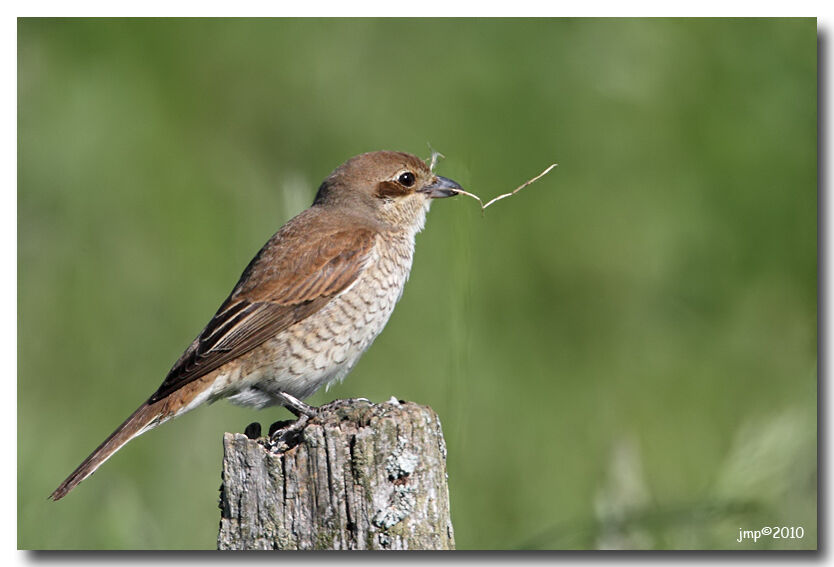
(296, 406)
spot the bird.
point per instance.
(307, 306)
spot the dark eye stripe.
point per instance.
(391, 189)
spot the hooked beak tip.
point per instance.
(441, 187)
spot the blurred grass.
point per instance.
(602, 348)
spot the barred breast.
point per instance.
(328, 344)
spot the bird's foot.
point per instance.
(286, 434)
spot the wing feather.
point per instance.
(293, 276)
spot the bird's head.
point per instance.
(395, 188)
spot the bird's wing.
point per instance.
(293, 276)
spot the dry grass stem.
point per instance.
(433, 162)
(511, 193)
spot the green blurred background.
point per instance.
(622, 355)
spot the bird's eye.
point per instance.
(406, 179)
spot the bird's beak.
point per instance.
(441, 187)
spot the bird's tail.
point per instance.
(143, 419)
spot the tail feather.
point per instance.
(136, 424)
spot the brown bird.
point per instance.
(307, 306)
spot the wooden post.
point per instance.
(356, 476)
